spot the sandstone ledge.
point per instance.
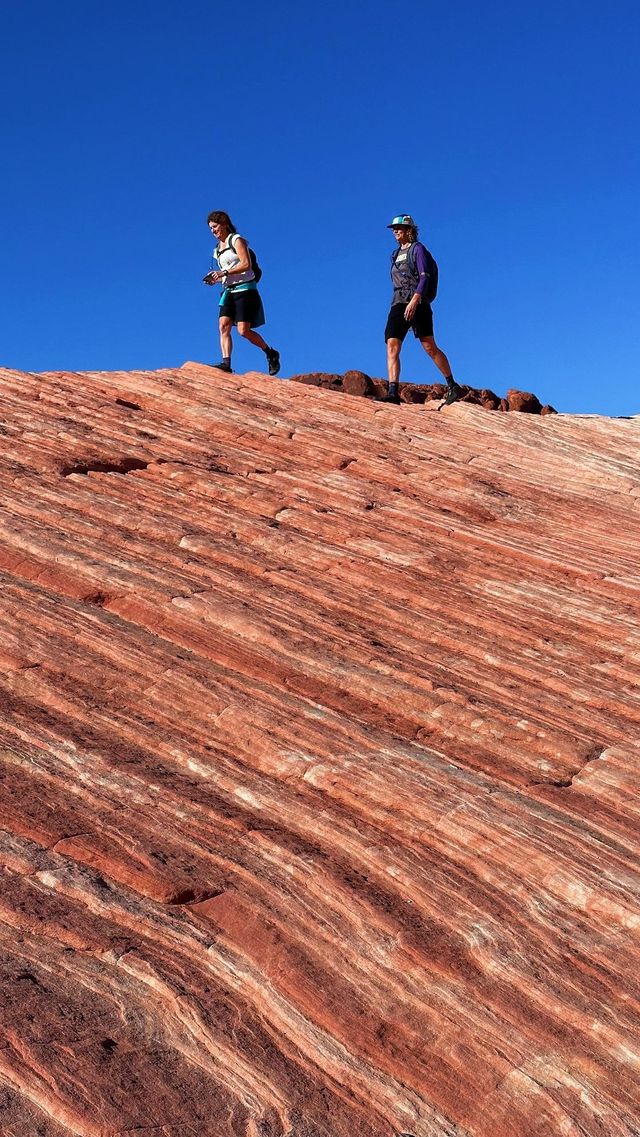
(319, 800)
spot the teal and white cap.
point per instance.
(401, 219)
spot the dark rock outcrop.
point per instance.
(357, 383)
(360, 384)
(524, 401)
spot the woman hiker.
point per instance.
(240, 302)
(414, 275)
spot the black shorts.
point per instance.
(397, 327)
(244, 307)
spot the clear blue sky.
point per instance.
(509, 130)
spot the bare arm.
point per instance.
(241, 251)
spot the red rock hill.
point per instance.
(319, 801)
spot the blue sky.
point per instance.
(509, 130)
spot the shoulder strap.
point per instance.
(227, 244)
(411, 253)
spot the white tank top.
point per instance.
(227, 258)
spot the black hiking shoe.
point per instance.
(454, 393)
(392, 395)
(273, 359)
(222, 366)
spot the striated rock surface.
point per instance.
(319, 801)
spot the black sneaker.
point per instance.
(454, 393)
(222, 366)
(392, 395)
(273, 359)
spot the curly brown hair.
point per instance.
(219, 217)
(412, 230)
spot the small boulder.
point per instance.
(411, 393)
(488, 399)
(524, 401)
(356, 383)
(379, 388)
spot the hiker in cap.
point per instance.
(414, 275)
(240, 303)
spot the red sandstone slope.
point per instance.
(320, 764)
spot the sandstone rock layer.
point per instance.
(319, 801)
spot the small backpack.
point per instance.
(432, 283)
(255, 267)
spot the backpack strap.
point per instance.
(227, 244)
(411, 254)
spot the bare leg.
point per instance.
(438, 356)
(247, 333)
(225, 337)
(393, 360)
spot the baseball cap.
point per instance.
(402, 219)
